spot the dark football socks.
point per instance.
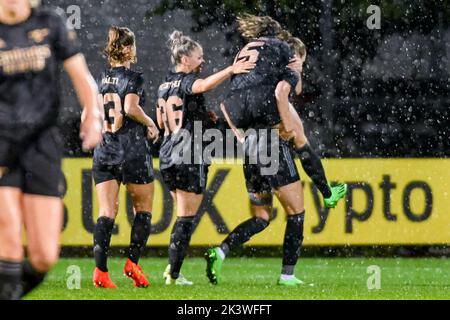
(243, 233)
(30, 278)
(140, 232)
(293, 240)
(10, 280)
(102, 238)
(179, 244)
(314, 169)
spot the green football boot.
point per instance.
(213, 265)
(337, 193)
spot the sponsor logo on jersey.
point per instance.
(38, 35)
(24, 59)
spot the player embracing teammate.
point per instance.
(266, 72)
(260, 100)
(181, 105)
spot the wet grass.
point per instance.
(255, 279)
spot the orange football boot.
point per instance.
(135, 272)
(101, 280)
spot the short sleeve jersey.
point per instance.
(129, 141)
(31, 53)
(189, 111)
(272, 57)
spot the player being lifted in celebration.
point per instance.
(292, 128)
(34, 42)
(252, 103)
(124, 156)
(180, 104)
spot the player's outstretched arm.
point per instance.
(210, 83)
(87, 91)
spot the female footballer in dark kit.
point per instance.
(34, 43)
(180, 105)
(124, 156)
(291, 128)
(255, 101)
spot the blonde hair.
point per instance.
(34, 3)
(295, 43)
(297, 46)
(181, 45)
(119, 39)
(253, 27)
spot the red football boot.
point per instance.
(135, 272)
(101, 280)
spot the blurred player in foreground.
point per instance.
(34, 42)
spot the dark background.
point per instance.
(367, 93)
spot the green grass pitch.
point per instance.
(255, 279)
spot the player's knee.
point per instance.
(283, 90)
(108, 213)
(43, 260)
(262, 213)
(143, 207)
(264, 220)
(144, 203)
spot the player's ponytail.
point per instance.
(253, 27)
(180, 45)
(118, 49)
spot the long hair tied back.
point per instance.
(180, 45)
(253, 27)
(119, 39)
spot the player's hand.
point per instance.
(90, 129)
(296, 65)
(284, 134)
(152, 133)
(212, 116)
(243, 66)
